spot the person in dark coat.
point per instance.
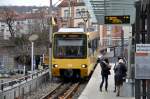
(120, 73)
(115, 71)
(105, 71)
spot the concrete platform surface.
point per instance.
(92, 89)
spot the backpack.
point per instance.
(104, 68)
(121, 70)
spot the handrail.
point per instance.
(19, 80)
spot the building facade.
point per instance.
(73, 13)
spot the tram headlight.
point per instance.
(83, 65)
(55, 66)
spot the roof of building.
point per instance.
(65, 3)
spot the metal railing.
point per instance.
(21, 86)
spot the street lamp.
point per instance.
(32, 38)
(85, 16)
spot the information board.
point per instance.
(142, 61)
(125, 19)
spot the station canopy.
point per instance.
(98, 9)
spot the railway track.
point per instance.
(63, 91)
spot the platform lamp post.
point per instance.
(85, 16)
(32, 38)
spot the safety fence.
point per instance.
(16, 89)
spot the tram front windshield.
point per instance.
(70, 46)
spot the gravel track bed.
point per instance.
(41, 90)
(79, 91)
(49, 86)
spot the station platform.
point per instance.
(92, 91)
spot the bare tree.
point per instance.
(9, 17)
(23, 52)
(42, 17)
(40, 27)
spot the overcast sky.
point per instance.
(26, 2)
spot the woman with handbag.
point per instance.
(105, 71)
(120, 73)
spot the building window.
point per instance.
(6, 37)
(2, 30)
(66, 13)
(77, 13)
(83, 12)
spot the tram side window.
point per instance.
(93, 46)
(97, 42)
(90, 48)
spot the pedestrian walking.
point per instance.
(120, 73)
(115, 72)
(105, 71)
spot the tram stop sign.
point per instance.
(124, 19)
(142, 61)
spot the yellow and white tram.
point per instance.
(74, 52)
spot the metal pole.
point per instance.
(32, 55)
(137, 23)
(144, 85)
(144, 88)
(86, 20)
(137, 40)
(110, 38)
(69, 7)
(148, 89)
(129, 57)
(50, 37)
(137, 89)
(51, 27)
(148, 40)
(85, 30)
(148, 22)
(122, 43)
(24, 70)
